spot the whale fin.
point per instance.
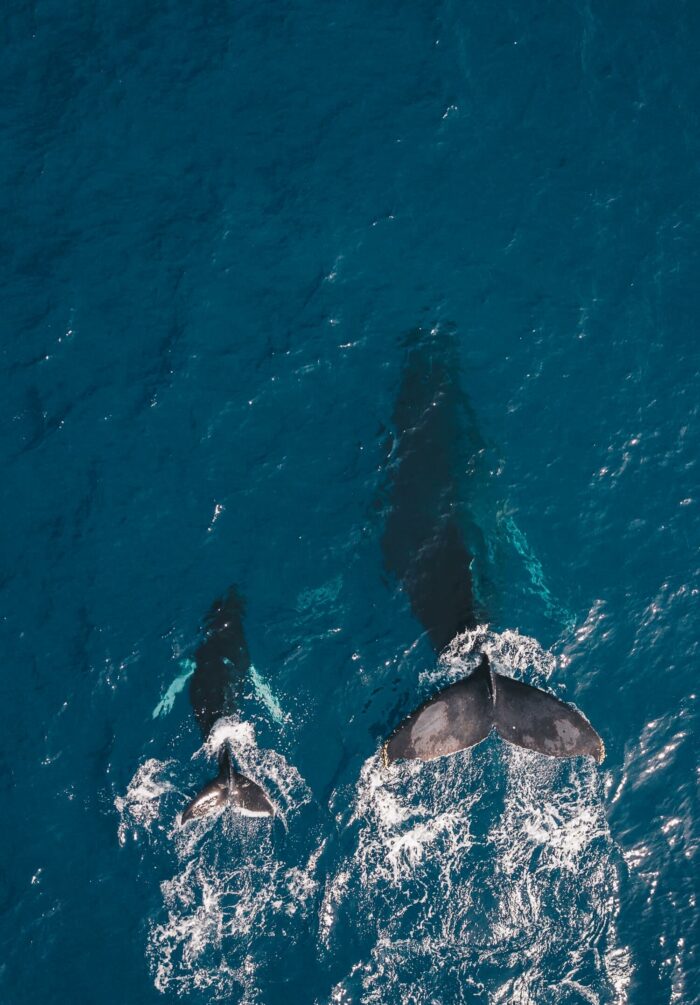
(229, 788)
(457, 717)
(536, 720)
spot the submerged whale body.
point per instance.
(425, 549)
(221, 664)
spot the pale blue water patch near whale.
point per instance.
(266, 695)
(261, 688)
(326, 594)
(519, 541)
(166, 703)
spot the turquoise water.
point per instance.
(220, 222)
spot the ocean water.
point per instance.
(220, 220)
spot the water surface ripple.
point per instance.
(220, 222)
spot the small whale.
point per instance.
(425, 549)
(221, 665)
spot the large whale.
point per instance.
(425, 547)
(221, 664)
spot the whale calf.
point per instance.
(425, 548)
(221, 664)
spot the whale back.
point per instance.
(221, 661)
(423, 544)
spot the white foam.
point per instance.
(227, 901)
(527, 904)
(509, 652)
(515, 903)
(139, 807)
(230, 884)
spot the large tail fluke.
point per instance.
(536, 720)
(229, 788)
(458, 717)
(464, 713)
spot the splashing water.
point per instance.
(507, 651)
(234, 901)
(514, 903)
(233, 890)
(280, 780)
(527, 900)
(139, 807)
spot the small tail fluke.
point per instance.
(247, 798)
(209, 799)
(464, 713)
(229, 788)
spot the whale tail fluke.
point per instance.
(464, 713)
(229, 788)
(210, 798)
(457, 717)
(534, 719)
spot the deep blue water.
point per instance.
(220, 220)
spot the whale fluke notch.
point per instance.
(463, 714)
(229, 788)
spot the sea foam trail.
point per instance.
(139, 808)
(487, 876)
(233, 889)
